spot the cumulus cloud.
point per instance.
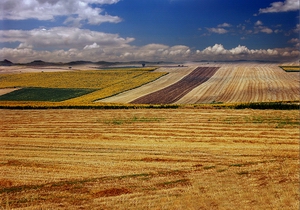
(224, 25)
(218, 52)
(120, 50)
(286, 6)
(79, 10)
(297, 29)
(62, 44)
(258, 23)
(295, 41)
(62, 37)
(266, 30)
(259, 27)
(217, 30)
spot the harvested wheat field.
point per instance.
(145, 159)
(226, 83)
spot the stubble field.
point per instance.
(231, 83)
(145, 159)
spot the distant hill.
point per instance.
(80, 62)
(6, 63)
(40, 63)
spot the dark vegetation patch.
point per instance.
(44, 94)
(269, 105)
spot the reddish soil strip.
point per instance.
(176, 91)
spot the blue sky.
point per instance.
(153, 30)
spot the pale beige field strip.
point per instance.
(7, 90)
(246, 83)
(174, 75)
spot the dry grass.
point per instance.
(149, 159)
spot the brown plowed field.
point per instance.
(149, 159)
(176, 91)
(174, 75)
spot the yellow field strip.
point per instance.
(291, 68)
(118, 87)
(93, 79)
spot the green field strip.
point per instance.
(44, 94)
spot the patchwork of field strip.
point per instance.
(73, 86)
(176, 91)
(149, 159)
(231, 83)
(190, 84)
(174, 74)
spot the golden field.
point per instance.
(149, 159)
(104, 82)
(93, 79)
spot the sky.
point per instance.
(149, 30)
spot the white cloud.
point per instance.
(259, 28)
(297, 29)
(217, 30)
(95, 46)
(62, 37)
(258, 23)
(224, 25)
(49, 9)
(218, 52)
(266, 30)
(295, 41)
(217, 49)
(150, 53)
(286, 6)
(92, 46)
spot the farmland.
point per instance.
(84, 86)
(144, 159)
(191, 84)
(113, 153)
(231, 83)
